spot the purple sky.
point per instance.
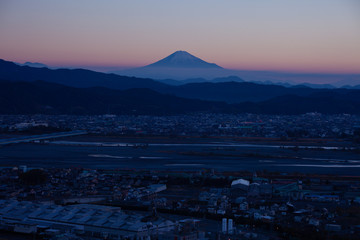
(279, 35)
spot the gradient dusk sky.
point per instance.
(280, 35)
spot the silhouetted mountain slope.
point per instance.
(50, 98)
(326, 102)
(234, 92)
(230, 92)
(237, 92)
(75, 78)
(325, 86)
(351, 87)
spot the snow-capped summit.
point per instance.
(183, 59)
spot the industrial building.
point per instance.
(81, 219)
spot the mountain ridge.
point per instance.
(41, 97)
(73, 77)
(225, 90)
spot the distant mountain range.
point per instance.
(231, 92)
(73, 77)
(41, 90)
(182, 66)
(201, 80)
(41, 97)
(35, 64)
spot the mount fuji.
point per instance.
(182, 59)
(180, 65)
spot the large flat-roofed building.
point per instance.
(91, 220)
(240, 183)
